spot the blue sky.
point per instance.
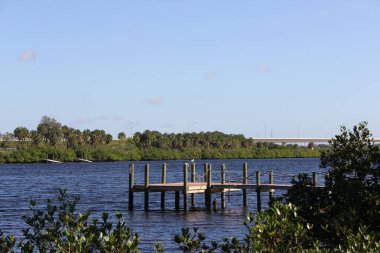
(292, 68)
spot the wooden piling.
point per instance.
(245, 181)
(214, 204)
(208, 190)
(223, 181)
(315, 179)
(205, 172)
(205, 169)
(131, 183)
(163, 181)
(146, 188)
(258, 191)
(193, 175)
(271, 193)
(185, 191)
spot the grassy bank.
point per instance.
(127, 150)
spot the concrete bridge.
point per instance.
(299, 140)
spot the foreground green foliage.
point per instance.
(351, 198)
(59, 228)
(278, 229)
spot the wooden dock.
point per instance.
(207, 187)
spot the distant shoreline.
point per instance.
(57, 143)
(15, 156)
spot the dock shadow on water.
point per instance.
(103, 187)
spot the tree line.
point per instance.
(206, 140)
(53, 140)
(51, 132)
(182, 141)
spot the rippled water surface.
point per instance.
(104, 187)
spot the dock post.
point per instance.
(193, 175)
(163, 181)
(271, 192)
(185, 190)
(205, 172)
(245, 181)
(205, 179)
(223, 181)
(258, 191)
(208, 190)
(315, 179)
(146, 186)
(176, 200)
(131, 183)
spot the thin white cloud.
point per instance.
(128, 123)
(26, 56)
(209, 76)
(154, 101)
(102, 117)
(263, 68)
(199, 96)
(88, 121)
(166, 128)
(117, 118)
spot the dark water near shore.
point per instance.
(104, 187)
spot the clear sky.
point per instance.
(286, 68)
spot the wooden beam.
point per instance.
(258, 191)
(131, 184)
(208, 190)
(163, 181)
(146, 188)
(185, 190)
(245, 181)
(223, 181)
(193, 175)
(271, 193)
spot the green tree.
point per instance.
(50, 129)
(351, 198)
(21, 133)
(354, 177)
(311, 145)
(121, 136)
(97, 137)
(71, 137)
(36, 137)
(108, 138)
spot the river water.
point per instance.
(104, 187)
